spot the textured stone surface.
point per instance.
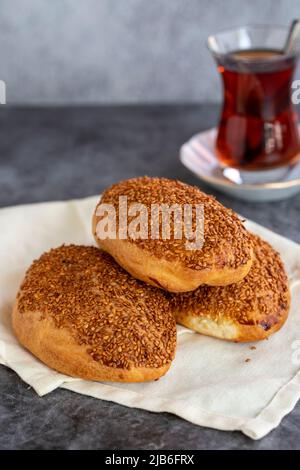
(61, 153)
(74, 51)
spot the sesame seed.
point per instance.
(226, 241)
(123, 322)
(261, 298)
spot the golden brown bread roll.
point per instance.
(83, 315)
(224, 258)
(249, 310)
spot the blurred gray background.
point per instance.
(112, 51)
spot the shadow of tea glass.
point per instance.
(258, 128)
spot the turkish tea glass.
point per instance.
(258, 128)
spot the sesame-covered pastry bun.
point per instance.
(250, 310)
(213, 246)
(80, 313)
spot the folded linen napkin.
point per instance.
(209, 383)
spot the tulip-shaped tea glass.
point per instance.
(258, 129)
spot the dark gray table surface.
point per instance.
(61, 153)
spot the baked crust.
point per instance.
(172, 276)
(58, 349)
(83, 315)
(225, 257)
(249, 310)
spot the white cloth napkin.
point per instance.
(209, 382)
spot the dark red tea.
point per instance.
(258, 126)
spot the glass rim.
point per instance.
(253, 27)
